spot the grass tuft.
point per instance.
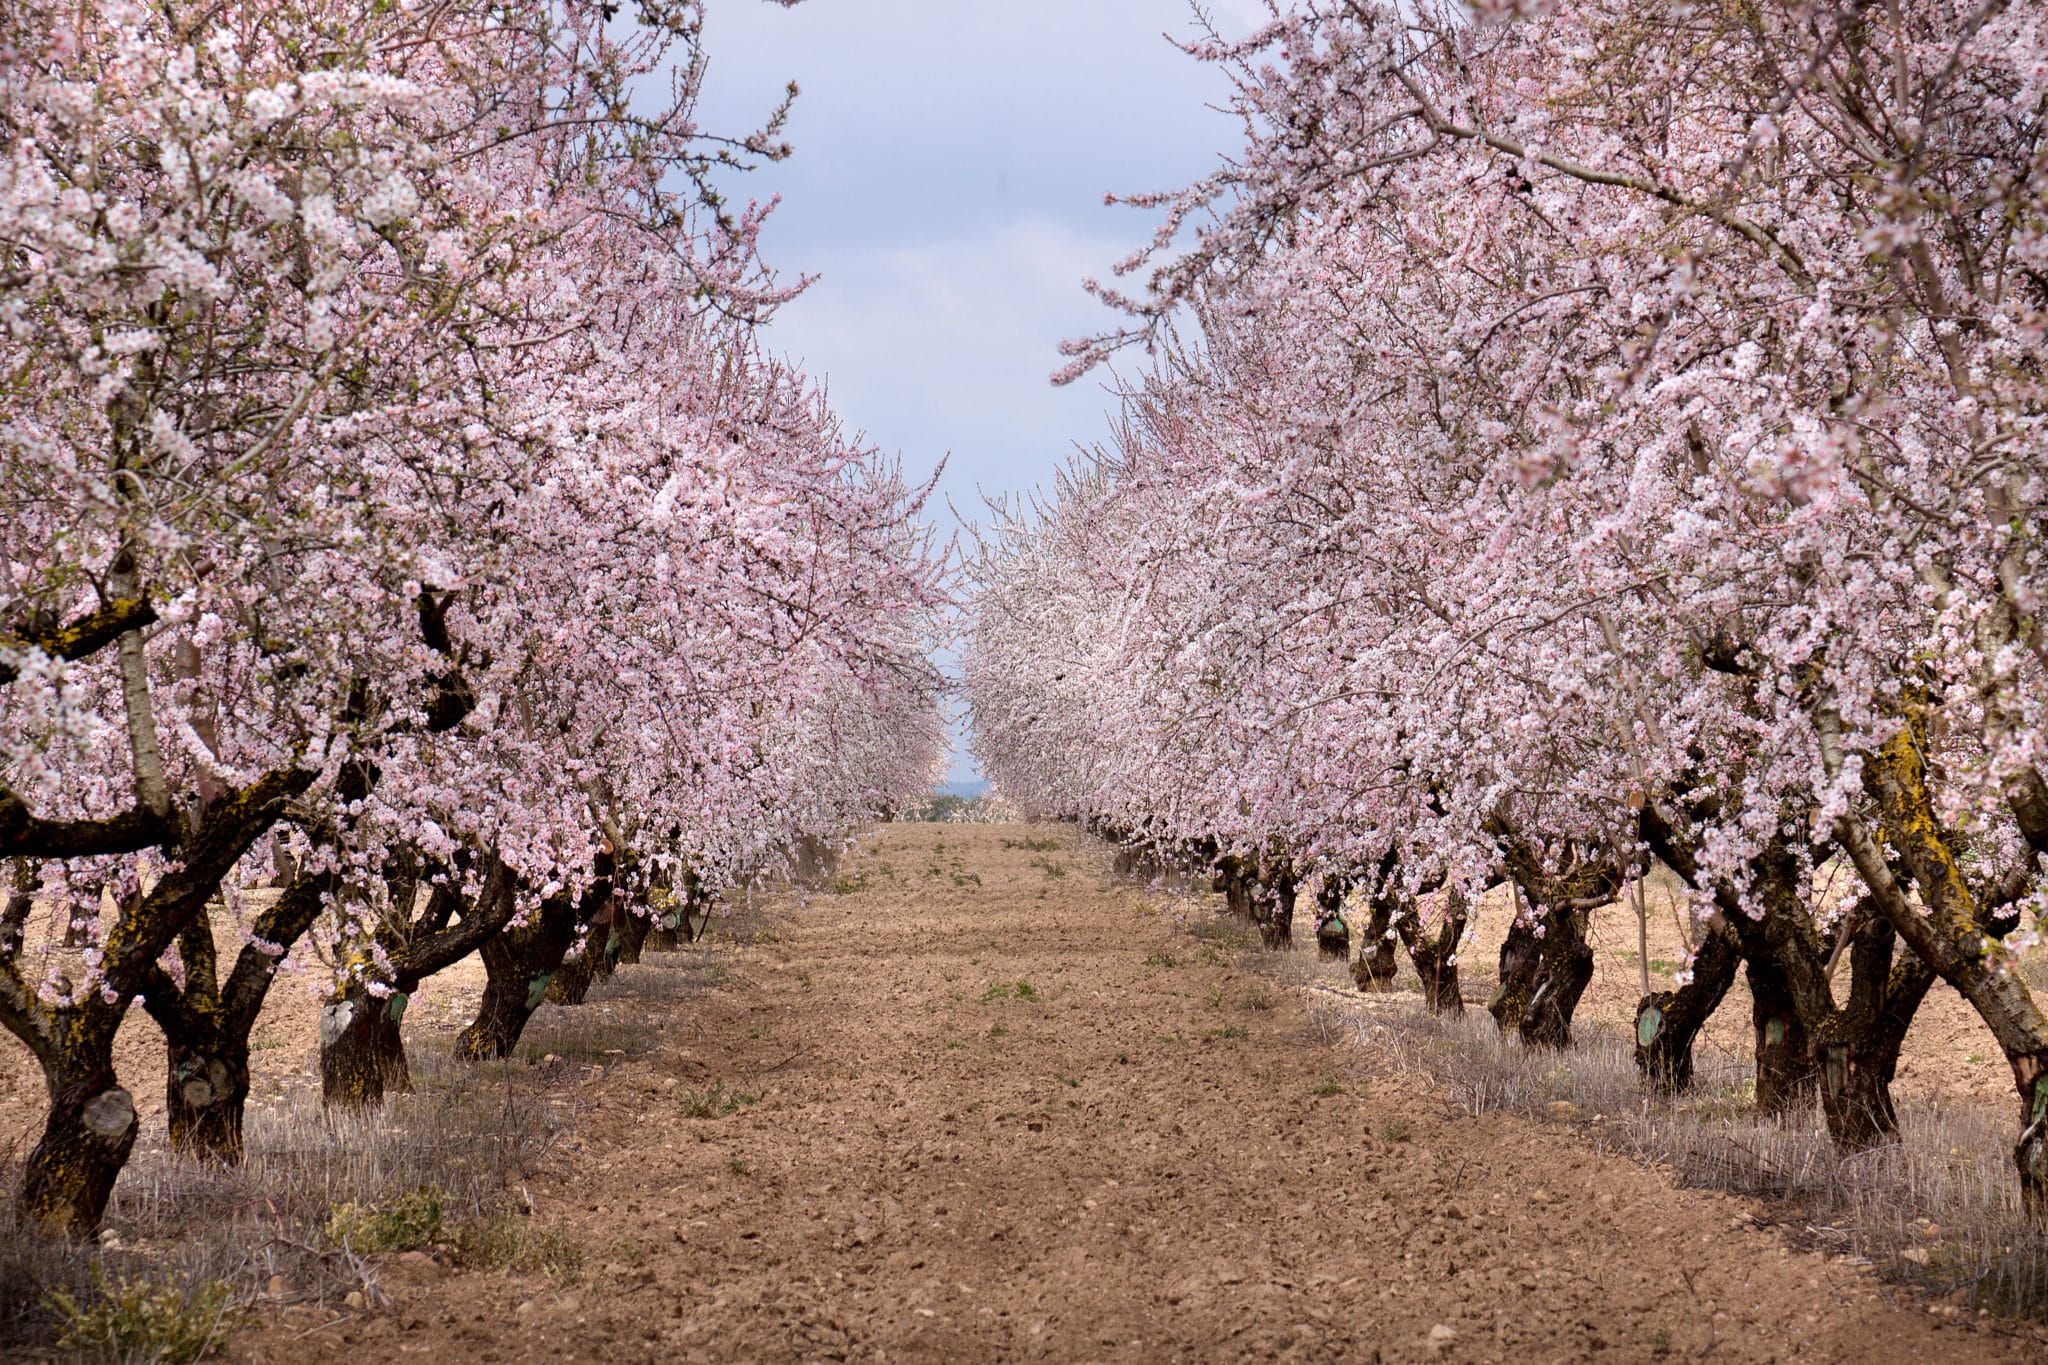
(715, 1103)
(171, 1320)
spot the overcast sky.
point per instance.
(947, 189)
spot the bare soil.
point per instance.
(987, 1103)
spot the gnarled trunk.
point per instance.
(1669, 1022)
(519, 966)
(206, 1091)
(1377, 962)
(1858, 1049)
(88, 1132)
(590, 959)
(1435, 957)
(362, 1050)
(1785, 1075)
(1544, 969)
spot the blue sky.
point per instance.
(951, 161)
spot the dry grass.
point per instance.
(467, 1134)
(1939, 1209)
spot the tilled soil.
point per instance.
(987, 1104)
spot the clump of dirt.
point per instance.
(982, 1101)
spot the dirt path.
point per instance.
(1003, 1108)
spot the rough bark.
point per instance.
(590, 959)
(1669, 1022)
(1333, 931)
(362, 1051)
(207, 1025)
(1542, 977)
(1785, 1076)
(206, 1094)
(87, 1134)
(1377, 962)
(1435, 956)
(71, 1172)
(362, 1040)
(520, 964)
(634, 929)
(1858, 1050)
(1956, 934)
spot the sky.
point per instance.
(947, 190)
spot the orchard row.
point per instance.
(407, 551)
(1579, 436)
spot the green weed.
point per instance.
(173, 1321)
(714, 1103)
(410, 1221)
(508, 1242)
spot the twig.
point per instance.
(345, 1317)
(783, 1063)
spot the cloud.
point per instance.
(952, 157)
(945, 346)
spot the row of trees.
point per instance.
(397, 509)
(1579, 436)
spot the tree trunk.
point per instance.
(1564, 967)
(634, 930)
(362, 1051)
(1858, 1050)
(1436, 958)
(1377, 962)
(87, 1134)
(519, 965)
(1544, 968)
(1668, 1022)
(1520, 954)
(1333, 931)
(1275, 909)
(1784, 1055)
(1954, 934)
(1233, 879)
(206, 1091)
(589, 960)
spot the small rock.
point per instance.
(355, 1299)
(420, 1264)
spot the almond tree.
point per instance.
(1659, 384)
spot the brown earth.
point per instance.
(1151, 1153)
